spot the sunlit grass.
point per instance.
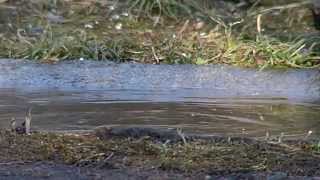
(53, 46)
(215, 46)
(178, 39)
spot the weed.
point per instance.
(316, 147)
(52, 46)
(168, 8)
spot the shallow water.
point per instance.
(204, 99)
(65, 111)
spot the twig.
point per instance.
(280, 139)
(106, 160)
(259, 23)
(13, 124)
(28, 122)
(155, 55)
(181, 134)
(14, 162)
(109, 157)
(267, 136)
(184, 27)
(288, 6)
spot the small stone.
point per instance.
(118, 26)
(111, 8)
(203, 34)
(115, 17)
(125, 14)
(199, 25)
(88, 26)
(55, 18)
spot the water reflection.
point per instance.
(57, 111)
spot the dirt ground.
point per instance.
(144, 153)
(48, 170)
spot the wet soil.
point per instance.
(50, 170)
(142, 153)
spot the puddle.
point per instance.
(204, 99)
(65, 111)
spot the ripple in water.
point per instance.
(65, 111)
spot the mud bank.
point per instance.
(211, 81)
(50, 170)
(140, 153)
(47, 170)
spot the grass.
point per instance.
(152, 32)
(169, 8)
(219, 156)
(53, 46)
(316, 147)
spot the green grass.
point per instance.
(316, 147)
(54, 46)
(191, 47)
(173, 38)
(51, 47)
(169, 8)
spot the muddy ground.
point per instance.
(144, 153)
(48, 170)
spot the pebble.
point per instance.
(118, 26)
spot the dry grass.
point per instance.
(220, 156)
(121, 32)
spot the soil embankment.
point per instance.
(135, 153)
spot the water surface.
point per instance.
(203, 99)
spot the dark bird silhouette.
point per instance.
(21, 129)
(316, 13)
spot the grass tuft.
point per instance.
(168, 8)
